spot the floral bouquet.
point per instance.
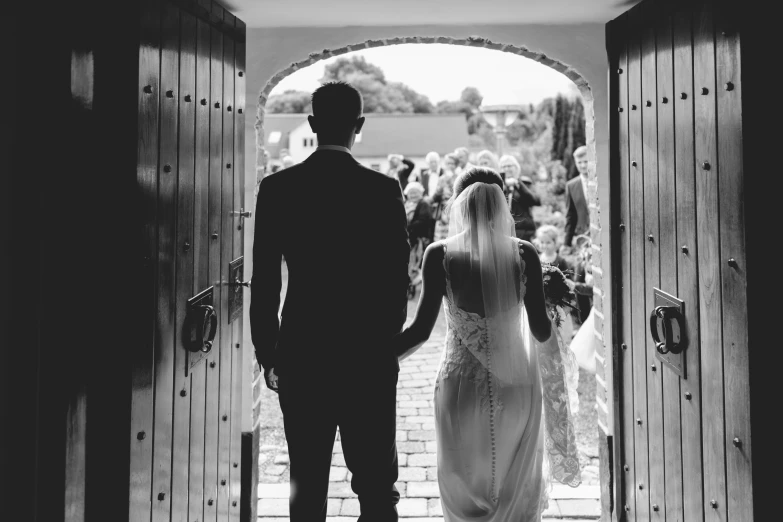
(557, 293)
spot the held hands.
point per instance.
(271, 379)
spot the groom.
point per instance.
(329, 355)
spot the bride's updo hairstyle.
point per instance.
(477, 175)
(474, 176)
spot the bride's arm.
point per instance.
(432, 290)
(535, 305)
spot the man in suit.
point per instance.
(577, 212)
(329, 356)
(428, 176)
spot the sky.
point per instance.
(441, 71)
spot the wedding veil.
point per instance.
(481, 233)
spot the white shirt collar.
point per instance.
(334, 147)
(584, 184)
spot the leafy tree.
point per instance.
(348, 69)
(420, 103)
(453, 107)
(290, 101)
(472, 97)
(568, 132)
(379, 95)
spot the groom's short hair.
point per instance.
(337, 104)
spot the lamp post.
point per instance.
(499, 117)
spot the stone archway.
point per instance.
(603, 367)
(471, 41)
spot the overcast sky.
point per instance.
(441, 71)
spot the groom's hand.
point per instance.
(271, 379)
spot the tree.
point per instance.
(472, 97)
(289, 102)
(420, 103)
(379, 95)
(568, 132)
(347, 69)
(453, 107)
(576, 136)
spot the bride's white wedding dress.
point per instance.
(500, 439)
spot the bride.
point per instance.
(501, 400)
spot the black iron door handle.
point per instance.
(203, 327)
(666, 314)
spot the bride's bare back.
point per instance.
(434, 289)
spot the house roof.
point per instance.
(411, 134)
(383, 134)
(284, 124)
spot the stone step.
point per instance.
(276, 506)
(417, 519)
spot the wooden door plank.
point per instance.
(650, 174)
(667, 246)
(184, 264)
(238, 369)
(710, 262)
(198, 385)
(637, 240)
(648, 109)
(624, 304)
(739, 479)
(142, 380)
(688, 264)
(215, 210)
(226, 251)
(165, 324)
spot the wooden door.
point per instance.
(678, 226)
(186, 396)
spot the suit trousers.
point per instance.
(364, 408)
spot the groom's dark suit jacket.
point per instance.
(341, 228)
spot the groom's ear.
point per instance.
(359, 125)
(311, 121)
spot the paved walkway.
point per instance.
(416, 447)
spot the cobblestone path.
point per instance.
(416, 448)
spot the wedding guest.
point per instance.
(488, 159)
(442, 195)
(577, 212)
(429, 175)
(419, 214)
(400, 168)
(548, 241)
(522, 197)
(463, 164)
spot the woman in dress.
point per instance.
(420, 228)
(501, 408)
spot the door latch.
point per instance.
(667, 328)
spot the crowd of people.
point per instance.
(428, 189)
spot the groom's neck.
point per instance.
(346, 142)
